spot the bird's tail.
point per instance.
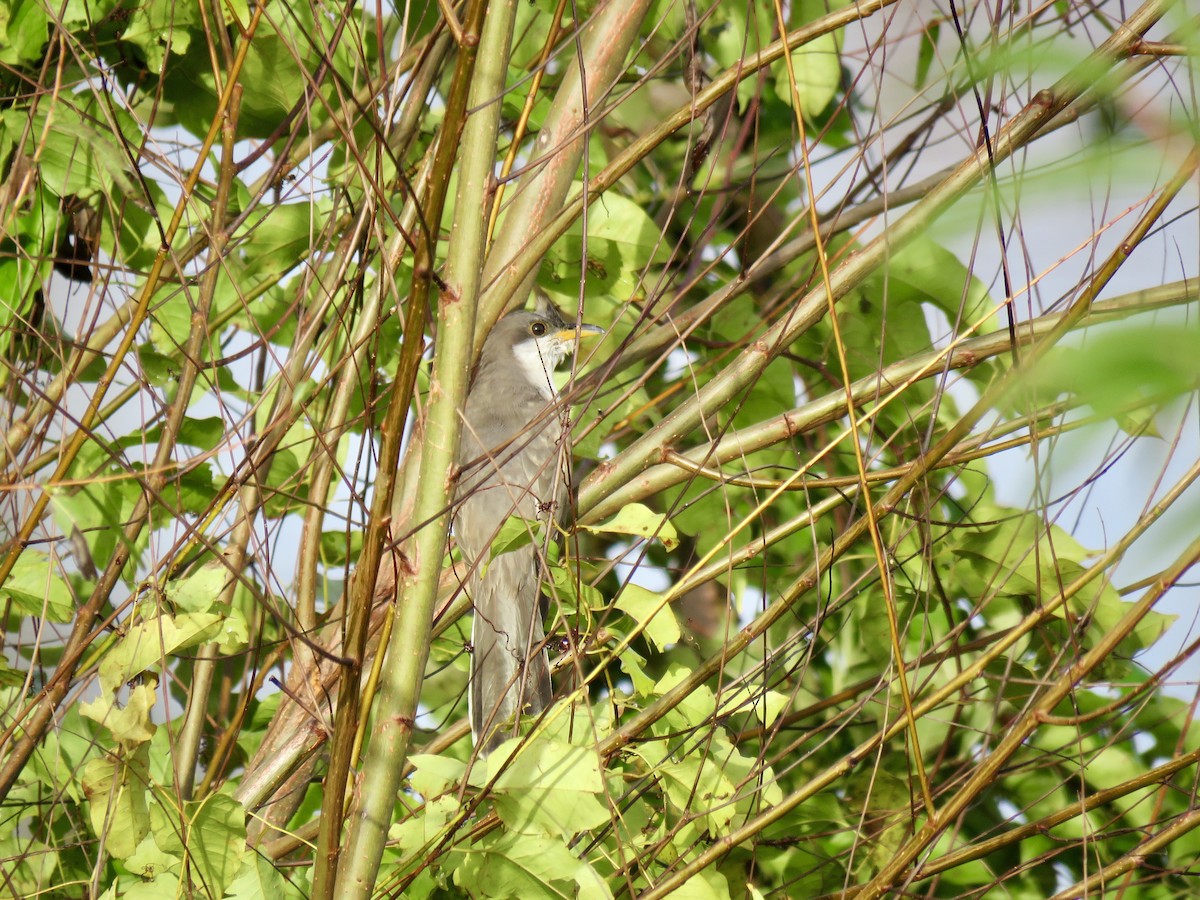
(510, 670)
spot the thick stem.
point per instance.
(422, 555)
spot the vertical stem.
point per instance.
(364, 853)
(408, 646)
(187, 746)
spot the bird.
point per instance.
(511, 463)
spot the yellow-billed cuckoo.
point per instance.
(512, 459)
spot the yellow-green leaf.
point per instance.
(198, 590)
(652, 612)
(36, 586)
(116, 793)
(147, 643)
(818, 73)
(638, 520)
(130, 723)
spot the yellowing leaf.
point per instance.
(116, 793)
(149, 642)
(651, 612)
(129, 724)
(638, 520)
(198, 590)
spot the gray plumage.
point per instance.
(512, 458)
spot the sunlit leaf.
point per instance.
(116, 790)
(640, 521)
(817, 72)
(36, 585)
(217, 840)
(551, 788)
(652, 612)
(148, 643)
(129, 722)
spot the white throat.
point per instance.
(537, 364)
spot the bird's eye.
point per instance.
(537, 329)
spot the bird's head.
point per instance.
(537, 340)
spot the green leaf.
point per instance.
(415, 833)
(1124, 366)
(10, 677)
(696, 708)
(638, 520)
(258, 880)
(166, 886)
(707, 884)
(217, 841)
(339, 548)
(77, 156)
(818, 73)
(695, 783)
(63, 751)
(517, 865)
(129, 724)
(433, 774)
(92, 512)
(622, 240)
(551, 787)
(774, 392)
(570, 588)
(737, 31)
(170, 320)
(276, 73)
(545, 763)
(925, 54)
(148, 643)
(116, 792)
(923, 271)
(633, 664)
(766, 705)
(149, 861)
(206, 433)
(24, 31)
(277, 237)
(159, 27)
(37, 587)
(234, 636)
(652, 612)
(192, 491)
(516, 532)
(197, 591)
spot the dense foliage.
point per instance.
(893, 293)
